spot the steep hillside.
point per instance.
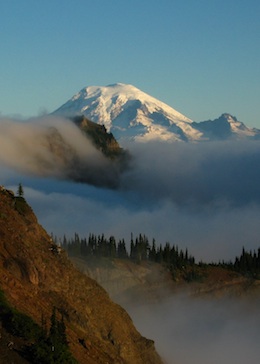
(125, 280)
(36, 276)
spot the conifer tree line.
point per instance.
(248, 263)
(140, 249)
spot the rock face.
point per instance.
(103, 141)
(126, 281)
(36, 276)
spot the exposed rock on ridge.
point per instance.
(103, 141)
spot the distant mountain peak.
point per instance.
(130, 113)
(226, 127)
(229, 117)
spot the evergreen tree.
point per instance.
(159, 254)
(166, 254)
(112, 247)
(121, 250)
(132, 250)
(52, 348)
(20, 192)
(152, 252)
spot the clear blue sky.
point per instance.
(201, 57)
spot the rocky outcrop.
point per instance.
(102, 140)
(36, 276)
(126, 281)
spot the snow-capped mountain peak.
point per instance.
(127, 111)
(118, 94)
(130, 113)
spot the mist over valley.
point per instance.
(204, 196)
(200, 195)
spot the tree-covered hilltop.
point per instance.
(178, 261)
(248, 263)
(140, 249)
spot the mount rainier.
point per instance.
(129, 113)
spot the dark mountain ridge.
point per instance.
(104, 141)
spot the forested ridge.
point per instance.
(170, 255)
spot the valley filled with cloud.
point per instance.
(195, 330)
(203, 196)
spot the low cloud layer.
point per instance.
(66, 208)
(194, 331)
(197, 174)
(54, 147)
(187, 174)
(204, 196)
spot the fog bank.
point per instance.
(203, 196)
(54, 147)
(194, 331)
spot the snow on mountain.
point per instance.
(128, 112)
(225, 127)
